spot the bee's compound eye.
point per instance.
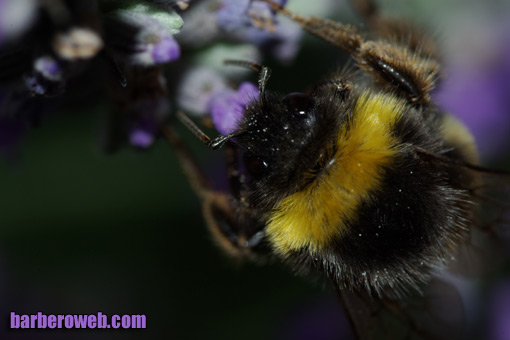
(298, 103)
(255, 166)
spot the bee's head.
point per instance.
(284, 137)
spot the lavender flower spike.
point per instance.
(255, 22)
(146, 118)
(48, 67)
(197, 88)
(166, 50)
(152, 41)
(46, 78)
(227, 108)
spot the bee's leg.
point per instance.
(196, 178)
(251, 233)
(194, 175)
(395, 66)
(402, 32)
(236, 179)
(337, 84)
(224, 219)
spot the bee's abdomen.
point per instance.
(365, 147)
(412, 224)
(382, 215)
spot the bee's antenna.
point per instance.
(215, 143)
(264, 74)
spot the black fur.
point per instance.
(402, 232)
(290, 145)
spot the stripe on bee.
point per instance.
(364, 147)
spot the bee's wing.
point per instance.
(438, 313)
(491, 222)
(493, 197)
(482, 253)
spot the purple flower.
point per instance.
(477, 91)
(142, 131)
(256, 23)
(196, 89)
(238, 14)
(201, 26)
(154, 45)
(46, 78)
(284, 43)
(15, 18)
(49, 67)
(227, 108)
(165, 50)
(146, 116)
(144, 34)
(233, 14)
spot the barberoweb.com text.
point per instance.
(99, 320)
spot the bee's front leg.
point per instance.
(227, 218)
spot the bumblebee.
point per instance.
(362, 177)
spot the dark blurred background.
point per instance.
(83, 231)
